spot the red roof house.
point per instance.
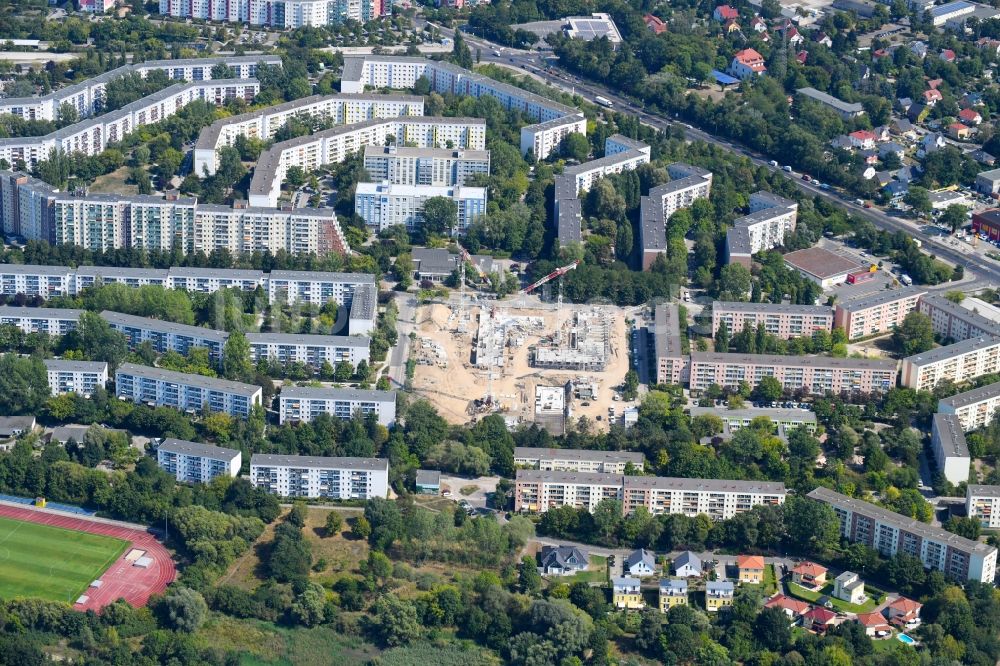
(724, 13)
(970, 116)
(794, 608)
(874, 624)
(746, 64)
(655, 23)
(903, 612)
(932, 97)
(818, 619)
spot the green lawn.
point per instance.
(51, 562)
(597, 573)
(800, 592)
(770, 580)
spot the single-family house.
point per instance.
(843, 142)
(758, 25)
(824, 39)
(718, 594)
(918, 112)
(903, 612)
(802, 56)
(970, 116)
(868, 172)
(862, 138)
(751, 569)
(687, 565)
(724, 13)
(792, 35)
(849, 587)
(809, 574)
(792, 607)
(883, 178)
(819, 619)
(868, 155)
(904, 104)
(891, 148)
(960, 131)
(878, 54)
(15, 426)
(919, 49)
(908, 174)
(971, 99)
(655, 23)
(673, 592)
(731, 26)
(947, 55)
(903, 127)
(882, 133)
(640, 563)
(874, 624)
(931, 143)
(747, 64)
(563, 560)
(983, 157)
(625, 593)
(987, 44)
(428, 482)
(932, 97)
(896, 190)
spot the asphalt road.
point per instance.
(986, 270)
(400, 352)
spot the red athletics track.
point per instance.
(122, 579)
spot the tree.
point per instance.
(290, 558)
(309, 607)
(295, 176)
(440, 216)
(386, 522)
(393, 621)
(236, 363)
(722, 338)
(23, 384)
(100, 342)
(810, 525)
(186, 609)
(915, 335)
(953, 217)
(222, 71)
(734, 282)
(529, 580)
(772, 629)
(769, 389)
(362, 529)
(919, 199)
(970, 528)
(334, 522)
(575, 146)
(460, 53)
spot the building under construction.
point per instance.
(497, 331)
(582, 343)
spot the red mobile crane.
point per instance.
(554, 274)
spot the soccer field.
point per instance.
(51, 562)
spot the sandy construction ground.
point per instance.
(447, 378)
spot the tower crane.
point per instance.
(554, 274)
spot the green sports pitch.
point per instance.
(51, 562)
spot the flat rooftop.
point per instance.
(797, 415)
(315, 462)
(186, 448)
(794, 361)
(772, 308)
(329, 393)
(308, 339)
(820, 263)
(63, 365)
(880, 298)
(972, 397)
(184, 379)
(977, 490)
(950, 433)
(950, 351)
(162, 326)
(578, 454)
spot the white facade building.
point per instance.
(950, 449)
(281, 14)
(382, 205)
(960, 362)
(304, 403)
(982, 503)
(440, 167)
(53, 321)
(577, 460)
(311, 350)
(190, 393)
(974, 408)
(334, 478)
(81, 377)
(191, 462)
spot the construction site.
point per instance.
(517, 356)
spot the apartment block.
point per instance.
(771, 218)
(813, 374)
(982, 503)
(52, 321)
(191, 462)
(311, 350)
(541, 490)
(316, 287)
(43, 281)
(333, 146)
(263, 124)
(578, 460)
(566, 209)
(440, 167)
(312, 477)
(672, 364)
(92, 135)
(363, 315)
(280, 14)
(784, 420)
(167, 336)
(687, 184)
(974, 409)
(950, 449)
(82, 377)
(35, 211)
(959, 362)
(779, 319)
(92, 276)
(953, 322)
(190, 393)
(383, 205)
(305, 403)
(554, 120)
(876, 313)
(88, 97)
(890, 533)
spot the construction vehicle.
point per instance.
(559, 272)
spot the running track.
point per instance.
(122, 579)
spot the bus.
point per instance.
(603, 101)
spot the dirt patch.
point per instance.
(446, 376)
(113, 183)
